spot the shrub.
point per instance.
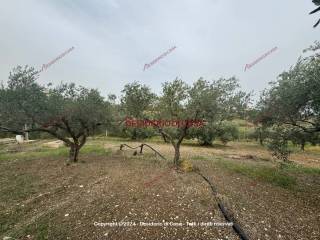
(278, 144)
(228, 132)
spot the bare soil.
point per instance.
(44, 199)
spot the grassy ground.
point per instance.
(42, 198)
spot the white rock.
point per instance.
(7, 238)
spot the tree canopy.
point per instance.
(211, 102)
(66, 112)
(294, 98)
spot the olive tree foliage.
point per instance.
(316, 2)
(228, 132)
(301, 138)
(115, 128)
(212, 102)
(278, 143)
(261, 125)
(172, 104)
(136, 99)
(221, 101)
(136, 102)
(66, 112)
(260, 133)
(294, 98)
(292, 103)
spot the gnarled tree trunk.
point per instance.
(303, 143)
(74, 153)
(176, 154)
(75, 149)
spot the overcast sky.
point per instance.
(114, 39)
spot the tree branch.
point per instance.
(5, 129)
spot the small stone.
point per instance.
(81, 186)
(66, 215)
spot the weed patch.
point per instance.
(273, 175)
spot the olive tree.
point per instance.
(294, 98)
(211, 102)
(66, 112)
(136, 100)
(220, 101)
(278, 143)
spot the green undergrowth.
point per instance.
(45, 152)
(299, 169)
(271, 174)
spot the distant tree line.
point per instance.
(287, 112)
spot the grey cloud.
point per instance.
(114, 40)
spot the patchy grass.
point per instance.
(296, 169)
(39, 230)
(18, 187)
(69, 199)
(36, 153)
(46, 152)
(43, 198)
(197, 157)
(7, 221)
(270, 174)
(96, 149)
(313, 149)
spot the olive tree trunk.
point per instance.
(74, 153)
(75, 149)
(176, 159)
